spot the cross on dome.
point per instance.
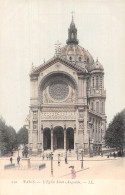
(72, 16)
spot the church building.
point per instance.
(67, 100)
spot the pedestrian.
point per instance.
(11, 160)
(58, 159)
(66, 158)
(47, 156)
(114, 154)
(73, 173)
(43, 156)
(18, 159)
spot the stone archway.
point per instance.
(46, 139)
(69, 138)
(58, 138)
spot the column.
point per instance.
(103, 82)
(41, 137)
(64, 137)
(51, 138)
(31, 130)
(75, 136)
(38, 117)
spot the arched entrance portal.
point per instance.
(58, 138)
(46, 139)
(70, 138)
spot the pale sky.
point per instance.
(29, 30)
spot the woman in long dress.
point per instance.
(73, 173)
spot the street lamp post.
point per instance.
(51, 164)
(66, 157)
(18, 151)
(77, 151)
(82, 160)
(58, 159)
(89, 148)
(77, 154)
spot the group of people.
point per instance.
(115, 154)
(18, 160)
(47, 156)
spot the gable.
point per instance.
(57, 61)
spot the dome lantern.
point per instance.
(72, 34)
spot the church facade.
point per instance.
(67, 100)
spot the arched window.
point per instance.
(96, 126)
(93, 125)
(72, 36)
(97, 107)
(97, 82)
(92, 106)
(99, 127)
(93, 82)
(87, 83)
(35, 114)
(102, 107)
(101, 82)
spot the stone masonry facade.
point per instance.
(67, 100)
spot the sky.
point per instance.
(29, 31)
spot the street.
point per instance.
(93, 168)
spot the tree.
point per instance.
(115, 134)
(8, 140)
(22, 136)
(3, 136)
(12, 138)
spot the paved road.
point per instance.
(94, 168)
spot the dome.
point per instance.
(77, 54)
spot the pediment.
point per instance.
(36, 71)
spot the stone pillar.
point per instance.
(41, 137)
(91, 148)
(65, 137)
(31, 131)
(103, 82)
(38, 116)
(51, 138)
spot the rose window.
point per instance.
(58, 90)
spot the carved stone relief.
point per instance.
(66, 124)
(81, 114)
(81, 125)
(58, 116)
(58, 109)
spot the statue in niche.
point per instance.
(81, 125)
